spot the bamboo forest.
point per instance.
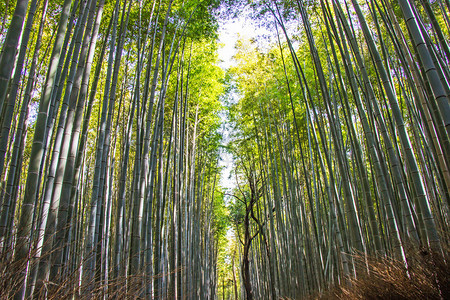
(312, 161)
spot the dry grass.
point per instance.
(428, 277)
(123, 287)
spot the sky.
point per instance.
(230, 29)
(229, 32)
(228, 35)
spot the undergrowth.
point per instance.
(427, 276)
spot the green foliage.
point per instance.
(220, 215)
(237, 212)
